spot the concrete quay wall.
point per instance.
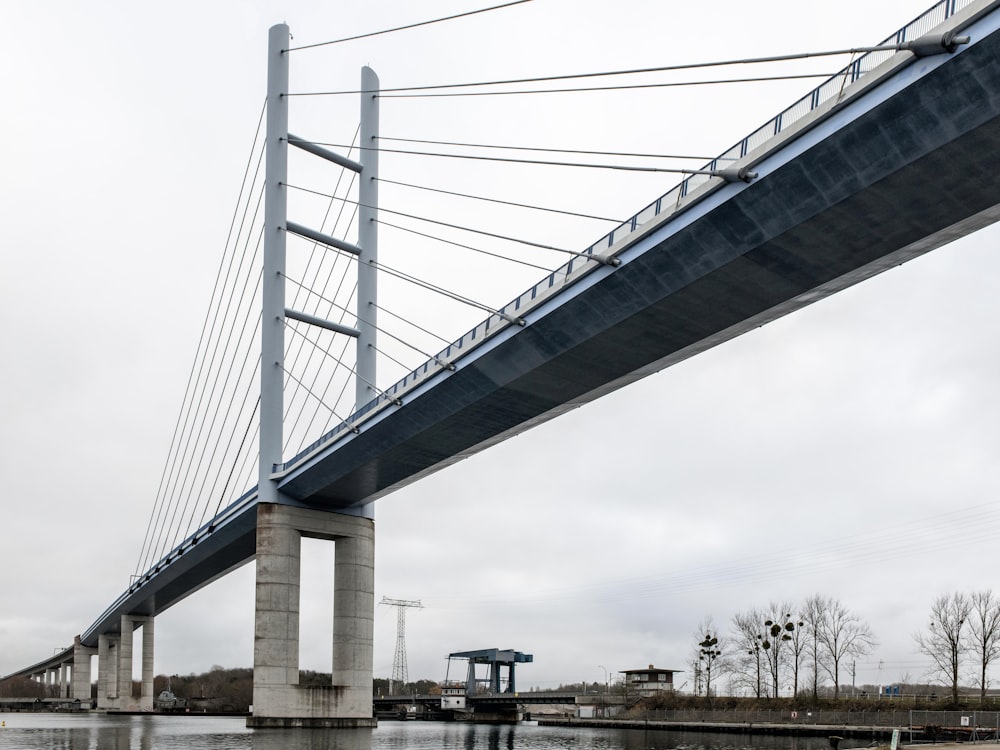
(856, 733)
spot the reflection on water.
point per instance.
(310, 739)
(98, 732)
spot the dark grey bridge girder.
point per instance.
(911, 173)
(915, 172)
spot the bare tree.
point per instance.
(710, 653)
(798, 648)
(775, 639)
(747, 641)
(943, 641)
(842, 634)
(813, 613)
(983, 635)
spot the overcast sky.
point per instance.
(850, 449)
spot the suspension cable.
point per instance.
(457, 226)
(466, 247)
(509, 160)
(408, 26)
(318, 253)
(390, 313)
(610, 73)
(587, 89)
(229, 410)
(546, 150)
(307, 390)
(362, 319)
(156, 512)
(239, 452)
(444, 292)
(502, 202)
(248, 344)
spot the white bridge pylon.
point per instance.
(279, 699)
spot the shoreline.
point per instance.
(880, 734)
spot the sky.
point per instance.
(848, 450)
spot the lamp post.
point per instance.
(607, 687)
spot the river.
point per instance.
(30, 731)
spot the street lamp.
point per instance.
(607, 687)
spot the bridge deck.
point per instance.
(901, 166)
(907, 160)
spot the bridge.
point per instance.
(894, 156)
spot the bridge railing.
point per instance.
(670, 202)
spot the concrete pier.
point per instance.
(81, 671)
(278, 698)
(146, 697)
(107, 672)
(123, 666)
(125, 700)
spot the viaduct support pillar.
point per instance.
(278, 698)
(146, 699)
(81, 672)
(107, 672)
(126, 702)
(124, 665)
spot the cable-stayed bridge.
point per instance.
(889, 159)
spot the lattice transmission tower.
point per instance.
(399, 672)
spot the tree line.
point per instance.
(804, 647)
(817, 642)
(963, 632)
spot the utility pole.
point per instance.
(399, 672)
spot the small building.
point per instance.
(649, 681)
(602, 706)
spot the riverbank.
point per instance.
(854, 736)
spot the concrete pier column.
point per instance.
(107, 672)
(124, 665)
(146, 701)
(353, 621)
(81, 671)
(278, 699)
(276, 621)
(64, 679)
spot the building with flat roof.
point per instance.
(649, 681)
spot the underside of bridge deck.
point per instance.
(887, 183)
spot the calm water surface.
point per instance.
(97, 732)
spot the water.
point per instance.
(25, 731)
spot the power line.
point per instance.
(611, 73)
(408, 26)
(920, 536)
